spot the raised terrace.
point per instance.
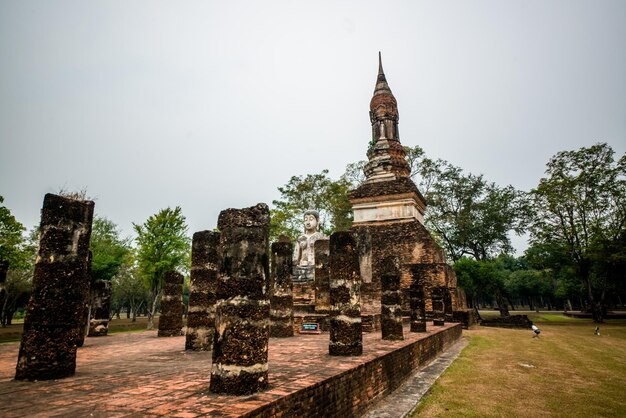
(139, 374)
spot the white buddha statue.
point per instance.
(304, 250)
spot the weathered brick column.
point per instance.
(346, 338)
(322, 275)
(203, 284)
(171, 319)
(100, 308)
(417, 300)
(418, 308)
(243, 309)
(53, 317)
(281, 290)
(437, 296)
(391, 302)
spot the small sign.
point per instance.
(310, 328)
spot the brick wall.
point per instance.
(352, 392)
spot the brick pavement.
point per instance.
(139, 374)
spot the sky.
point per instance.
(211, 105)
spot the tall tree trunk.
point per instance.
(152, 310)
(596, 306)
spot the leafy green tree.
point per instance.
(313, 191)
(17, 256)
(581, 207)
(11, 239)
(109, 251)
(162, 245)
(129, 290)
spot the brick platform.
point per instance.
(138, 374)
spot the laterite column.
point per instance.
(322, 275)
(346, 338)
(281, 290)
(53, 318)
(203, 283)
(243, 309)
(417, 301)
(171, 319)
(391, 302)
(100, 308)
(437, 295)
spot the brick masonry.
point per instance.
(156, 377)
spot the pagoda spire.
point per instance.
(387, 159)
(381, 81)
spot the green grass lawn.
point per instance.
(14, 331)
(566, 372)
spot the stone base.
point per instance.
(513, 321)
(304, 274)
(243, 384)
(98, 328)
(418, 326)
(46, 353)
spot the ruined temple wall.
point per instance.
(411, 243)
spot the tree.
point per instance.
(162, 245)
(17, 257)
(580, 207)
(109, 251)
(128, 289)
(313, 191)
(11, 239)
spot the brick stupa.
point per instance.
(389, 214)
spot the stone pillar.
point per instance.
(53, 318)
(243, 309)
(171, 319)
(447, 305)
(437, 296)
(322, 276)
(417, 299)
(203, 283)
(346, 338)
(100, 308)
(418, 308)
(391, 302)
(281, 291)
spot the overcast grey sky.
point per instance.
(214, 104)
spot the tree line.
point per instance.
(575, 216)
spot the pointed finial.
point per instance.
(381, 80)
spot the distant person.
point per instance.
(597, 330)
(535, 330)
